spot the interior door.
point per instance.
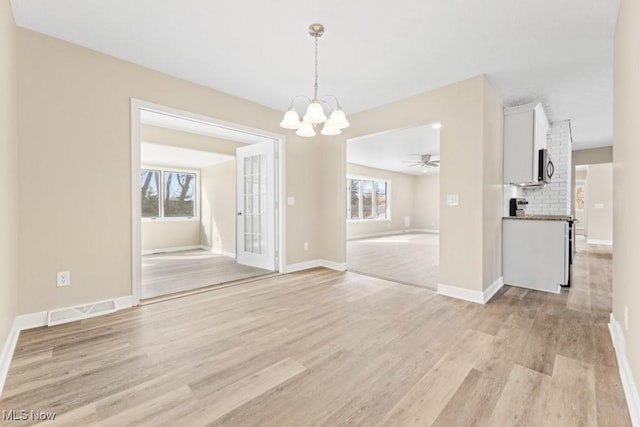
(255, 198)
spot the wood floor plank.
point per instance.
(428, 397)
(522, 398)
(572, 394)
(242, 391)
(327, 348)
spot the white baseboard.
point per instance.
(7, 354)
(31, 320)
(626, 375)
(218, 251)
(189, 248)
(423, 230)
(36, 320)
(338, 266)
(395, 232)
(599, 242)
(374, 235)
(173, 249)
(292, 268)
(493, 289)
(469, 294)
(124, 302)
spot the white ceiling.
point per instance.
(559, 52)
(391, 150)
(165, 155)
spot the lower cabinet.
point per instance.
(535, 253)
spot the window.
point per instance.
(367, 199)
(174, 199)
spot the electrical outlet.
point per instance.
(306, 246)
(63, 278)
(626, 318)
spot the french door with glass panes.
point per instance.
(255, 198)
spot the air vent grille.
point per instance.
(71, 314)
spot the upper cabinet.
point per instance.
(525, 132)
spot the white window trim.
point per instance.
(162, 218)
(367, 220)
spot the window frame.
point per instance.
(161, 190)
(361, 178)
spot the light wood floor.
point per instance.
(328, 348)
(410, 258)
(172, 272)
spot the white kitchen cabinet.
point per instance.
(525, 132)
(535, 253)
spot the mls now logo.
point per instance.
(24, 415)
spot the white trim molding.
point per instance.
(189, 248)
(423, 230)
(626, 375)
(7, 354)
(394, 233)
(307, 265)
(218, 251)
(469, 294)
(492, 290)
(173, 249)
(599, 242)
(332, 265)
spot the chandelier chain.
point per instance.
(315, 86)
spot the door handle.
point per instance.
(239, 213)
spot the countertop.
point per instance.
(541, 217)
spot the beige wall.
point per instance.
(600, 193)
(218, 207)
(626, 176)
(492, 185)
(158, 235)
(426, 202)
(402, 194)
(176, 138)
(74, 121)
(460, 108)
(591, 156)
(8, 173)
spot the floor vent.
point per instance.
(71, 314)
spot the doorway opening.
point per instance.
(593, 203)
(206, 202)
(393, 205)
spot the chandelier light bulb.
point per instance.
(339, 119)
(306, 129)
(291, 120)
(328, 129)
(315, 114)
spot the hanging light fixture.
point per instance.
(315, 112)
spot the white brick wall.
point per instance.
(555, 197)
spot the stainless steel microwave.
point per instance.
(545, 167)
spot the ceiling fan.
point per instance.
(424, 162)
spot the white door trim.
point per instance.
(136, 238)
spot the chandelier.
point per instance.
(316, 108)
